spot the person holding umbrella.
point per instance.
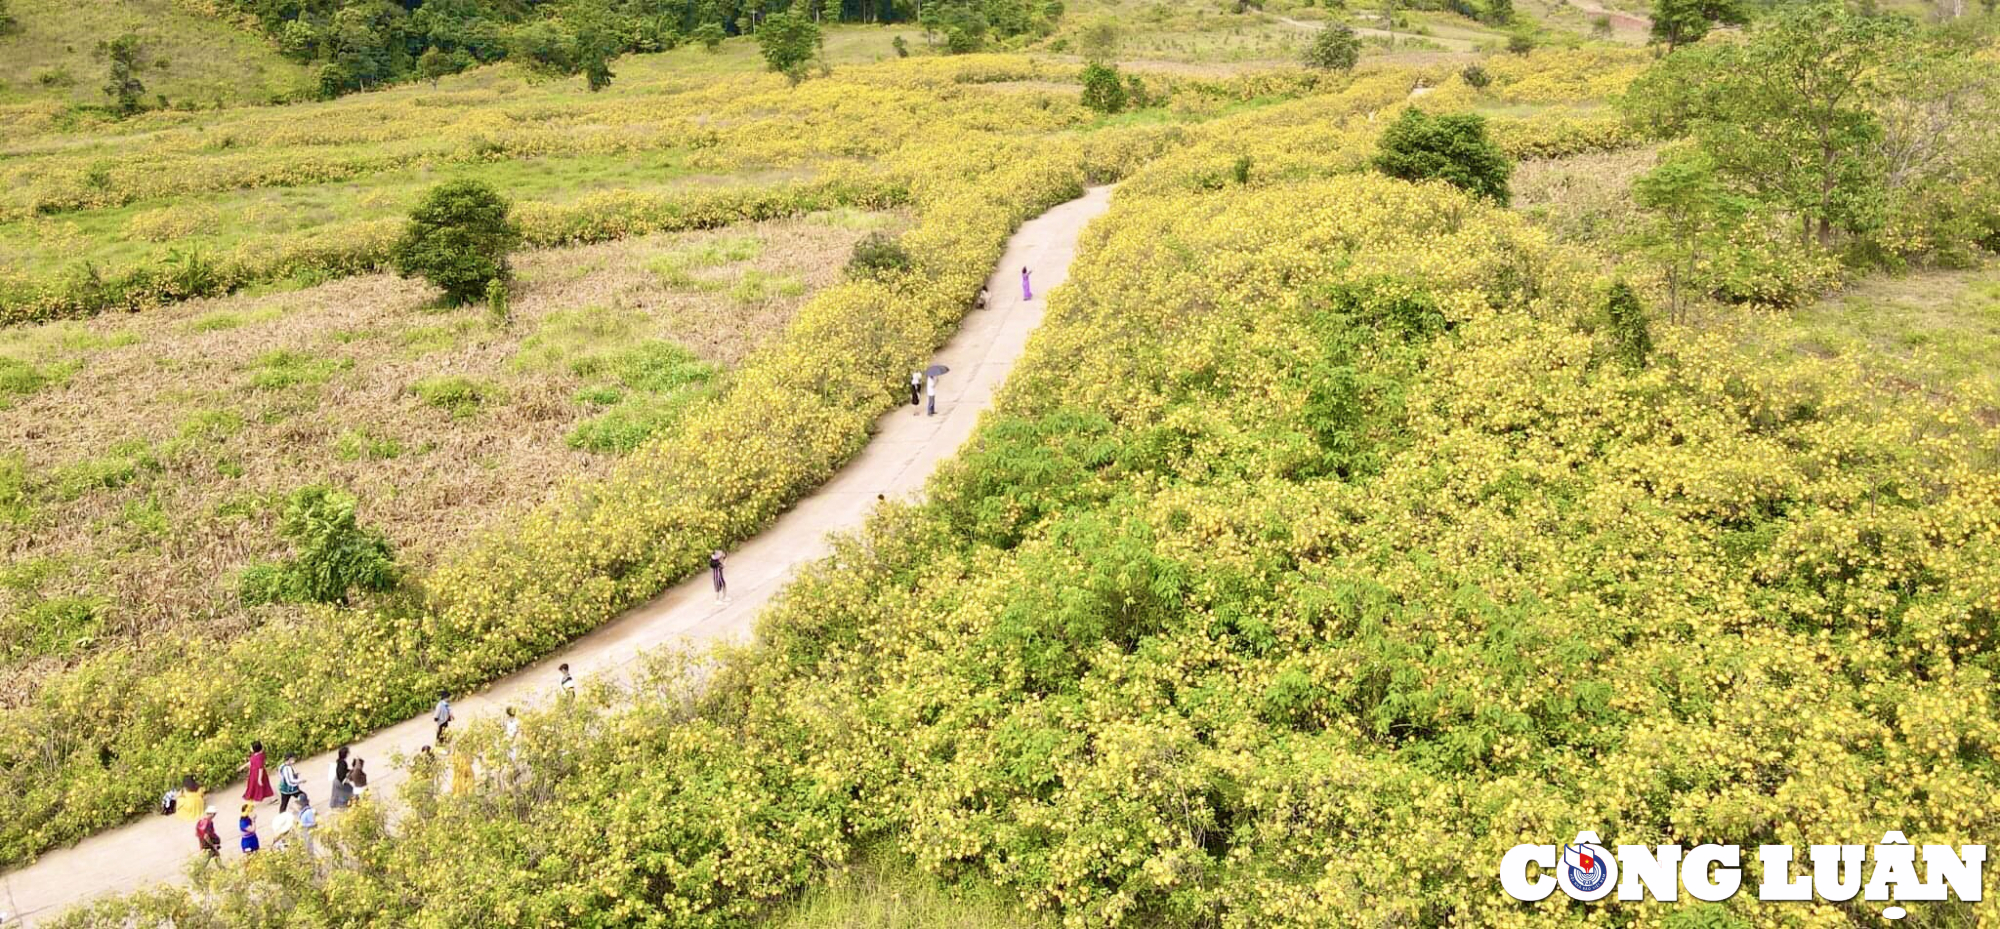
(930, 386)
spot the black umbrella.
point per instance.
(935, 370)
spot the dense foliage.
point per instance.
(362, 44)
(335, 556)
(1321, 549)
(1451, 148)
(1869, 137)
(458, 238)
(1334, 48)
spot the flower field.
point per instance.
(1335, 534)
(1321, 552)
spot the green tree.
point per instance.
(1334, 48)
(710, 35)
(1789, 115)
(1685, 22)
(121, 81)
(582, 40)
(7, 21)
(458, 239)
(1102, 89)
(435, 64)
(1689, 216)
(1454, 149)
(789, 41)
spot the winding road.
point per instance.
(904, 450)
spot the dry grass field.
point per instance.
(149, 454)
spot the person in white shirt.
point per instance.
(930, 392)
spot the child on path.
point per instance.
(358, 777)
(259, 787)
(246, 822)
(206, 836)
(290, 785)
(1027, 291)
(982, 297)
(568, 684)
(715, 572)
(442, 715)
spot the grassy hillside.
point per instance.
(194, 56)
(1337, 532)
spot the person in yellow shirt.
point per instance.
(190, 803)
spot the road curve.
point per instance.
(902, 453)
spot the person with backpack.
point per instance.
(290, 785)
(205, 835)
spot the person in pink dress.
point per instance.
(1027, 291)
(258, 789)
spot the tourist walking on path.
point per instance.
(338, 775)
(357, 775)
(258, 786)
(308, 821)
(983, 299)
(567, 684)
(246, 823)
(1027, 290)
(442, 715)
(715, 571)
(916, 386)
(190, 801)
(290, 785)
(205, 834)
(930, 395)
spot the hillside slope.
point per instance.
(196, 58)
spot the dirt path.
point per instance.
(905, 449)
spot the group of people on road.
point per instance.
(347, 778)
(924, 383)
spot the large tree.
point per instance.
(1685, 22)
(1790, 114)
(790, 41)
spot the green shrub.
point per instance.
(877, 256)
(710, 35)
(456, 394)
(458, 239)
(1475, 77)
(1631, 334)
(334, 555)
(1334, 48)
(1102, 89)
(1453, 148)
